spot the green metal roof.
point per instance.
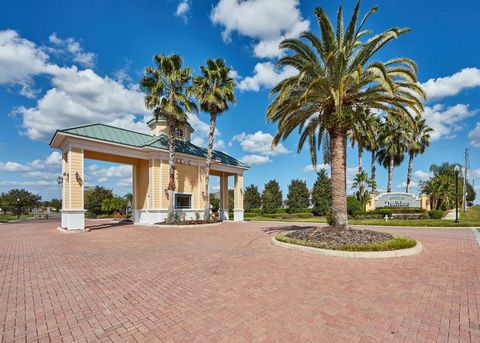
(130, 138)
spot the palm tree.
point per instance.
(335, 77)
(361, 135)
(166, 87)
(417, 142)
(214, 89)
(392, 145)
(373, 146)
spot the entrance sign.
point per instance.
(397, 200)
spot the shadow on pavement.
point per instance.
(276, 229)
(108, 225)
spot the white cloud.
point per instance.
(474, 173)
(202, 130)
(42, 175)
(474, 136)
(259, 143)
(53, 160)
(80, 97)
(446, 121)
(310, 168)
(28, 183)
(20, 60)
(255, 159)
(75, 97)
(413, 184)
(13, 166)
(265, 76)
(421, 175)
(72, 47)
(125, 182)
(108, 172)
(183, 8)
(452, 85)
(265, 21)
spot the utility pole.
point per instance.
(465, 173)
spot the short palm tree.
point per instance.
(166, 87)
(335, 77)
(417, 142)
(214, 90)
(392, 145)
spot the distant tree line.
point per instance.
(299, 197)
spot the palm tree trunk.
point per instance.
(345, 162)
(360, 156)
(337, 168)
(171, 169)
(374, 167)
(213, 119)
(390, 174)
(361, 186)
(409, 173)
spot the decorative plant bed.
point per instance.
(189, 223)
(348, 242)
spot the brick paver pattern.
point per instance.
(229, 284)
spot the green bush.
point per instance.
(435, 214)
(353, 205)
(297, 215)
(401, 209)
(330, 217)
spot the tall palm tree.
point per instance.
(166, 87)
(417, 142)
(361, 135)
(392, 145)
(335, 77)
(214, 90)
(373, 146)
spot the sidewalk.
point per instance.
(450, 215)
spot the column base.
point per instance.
(238, 215)
(73, 219)
(223, 213)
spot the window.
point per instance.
(183, 201)
(179, 133)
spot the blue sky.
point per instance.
(69, 63)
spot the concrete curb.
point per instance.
(352, 254)
(476, 234)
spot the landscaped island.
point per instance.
(333, 238)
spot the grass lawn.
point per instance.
(9, 217)
(469, 218)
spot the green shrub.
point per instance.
(435, 214)
(297, 215)
(353, 205)
(330, 217)
(401, 209)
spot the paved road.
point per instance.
(229, 284)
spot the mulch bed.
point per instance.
(190, 222)
(332, 235)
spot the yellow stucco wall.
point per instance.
(76, 182)
(141, 184)
(66, 182)
(238, 195)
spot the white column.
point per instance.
(223, 197)
(238, 198)
(73, 213)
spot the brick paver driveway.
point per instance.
(228, 283)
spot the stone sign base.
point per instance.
(398, 199)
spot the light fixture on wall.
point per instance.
(60, 179)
